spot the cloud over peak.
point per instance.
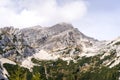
(44, 12)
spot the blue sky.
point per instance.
(95, 18)
(102, 19)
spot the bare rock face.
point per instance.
(3, 76)
(111, 51)
(17, 44)
(56, 38)
(62, 40)
(12, 45)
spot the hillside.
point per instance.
(59, 52)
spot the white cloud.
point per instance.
(42, 12)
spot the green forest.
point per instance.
(86, 68)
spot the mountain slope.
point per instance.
(57, 52)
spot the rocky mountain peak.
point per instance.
(57, 37)
(61, 27)
(64, 24)
(23, 46)
(36, 27)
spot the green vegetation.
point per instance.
(101, 74)
(1, 50)
(0, 37)
(87, 68)
(117, 43)
(77, 49)
(19, 73)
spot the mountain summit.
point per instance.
(60, 41)
(18, 44)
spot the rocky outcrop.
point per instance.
(13, 46)
(57, 37)
(17, 44)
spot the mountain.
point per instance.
(39, 51)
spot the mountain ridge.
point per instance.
(60, 41)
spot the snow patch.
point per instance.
(87, 54)
(106, 54)
(5, 60)
(43, 55)
(89, 51)
(27, 63)
(67, 59)
(4, 71)
(117, 61)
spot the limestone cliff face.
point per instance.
(13, 45)
(59, 35)
(17, 44)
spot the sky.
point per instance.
(95, 18)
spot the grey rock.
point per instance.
(25, 42)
